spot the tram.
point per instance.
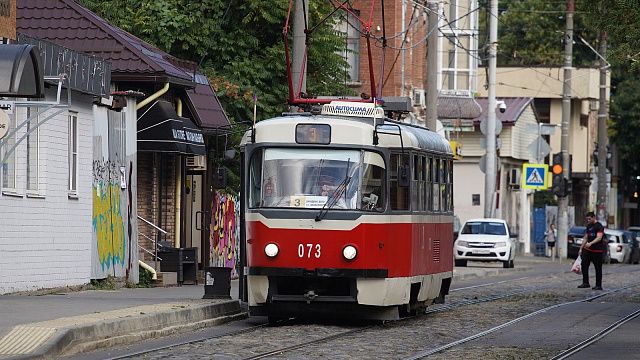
(345, 212)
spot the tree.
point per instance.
(530, 33)
(237, 43)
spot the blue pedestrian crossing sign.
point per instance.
(535, 176)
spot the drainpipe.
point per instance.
(149, 269)
(178, 206)
(178, 198)
(154, 96)
(179, 107)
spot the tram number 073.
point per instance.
(309, 250)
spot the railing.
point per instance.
(159, 232)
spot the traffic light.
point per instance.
(557, 183)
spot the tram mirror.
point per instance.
(404, 175)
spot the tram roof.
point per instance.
(350, 131)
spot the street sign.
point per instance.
(4, 124)
(539, 148)
(483, 127)
(535, 176)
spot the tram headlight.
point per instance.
(271, 250)
(349, 252)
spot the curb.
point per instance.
(69, 341)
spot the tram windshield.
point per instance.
(311, 178)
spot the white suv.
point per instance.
(485, 240)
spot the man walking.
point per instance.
(594, 247)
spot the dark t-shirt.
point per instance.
(592, 233)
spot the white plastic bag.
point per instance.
(577, 266)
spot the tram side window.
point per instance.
(435, 194)
(255, 173)
(428, 184)
(444, 200)
(450, 186)
(373, 178)
(421, 184)
(414, 183)
(398, 195)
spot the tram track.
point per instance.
(426, 353)
(432, 310)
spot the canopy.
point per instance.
(160, 129)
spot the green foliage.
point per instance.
(109, 283)
(530, 33)
(145, 278)
(544, 198)
(239, 45)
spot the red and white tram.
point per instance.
(345, 212)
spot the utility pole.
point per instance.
(301, 13)
(602, 132)
(563, 202)
(404, 52)
(431, 80)
(490, 157)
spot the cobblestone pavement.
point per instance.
(402, 339)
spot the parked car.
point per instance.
(485, 240)
(619, 244)
(635, 244)
(574, 242)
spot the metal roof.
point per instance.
(68, 24)
(515, 108)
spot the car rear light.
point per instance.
(619, 248)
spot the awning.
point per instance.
(160, 129)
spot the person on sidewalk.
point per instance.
(551, 234)
(592, 251)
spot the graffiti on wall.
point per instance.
(224, 235)
(108, 214)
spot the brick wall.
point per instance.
(414, 57)
(152, 197)
(45, 238)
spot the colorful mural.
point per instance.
(224, 235)
(108, 215)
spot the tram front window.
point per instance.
(311, 178)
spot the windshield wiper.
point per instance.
(340, 190)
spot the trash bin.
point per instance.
(217, 283)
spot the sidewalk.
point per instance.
(33, 326)
(45, 326)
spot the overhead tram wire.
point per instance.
(404, 40)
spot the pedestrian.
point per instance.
(551, 234)
(592, 251)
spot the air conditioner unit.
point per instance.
(197, 162)
(419, 98)
(514, 177)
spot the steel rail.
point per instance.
(450, 345)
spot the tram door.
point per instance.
(193, 213)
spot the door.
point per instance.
(193, 213)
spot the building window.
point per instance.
(9, 165)
(475, 199)
(33, 151)
(350, 29)
(73, 152)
